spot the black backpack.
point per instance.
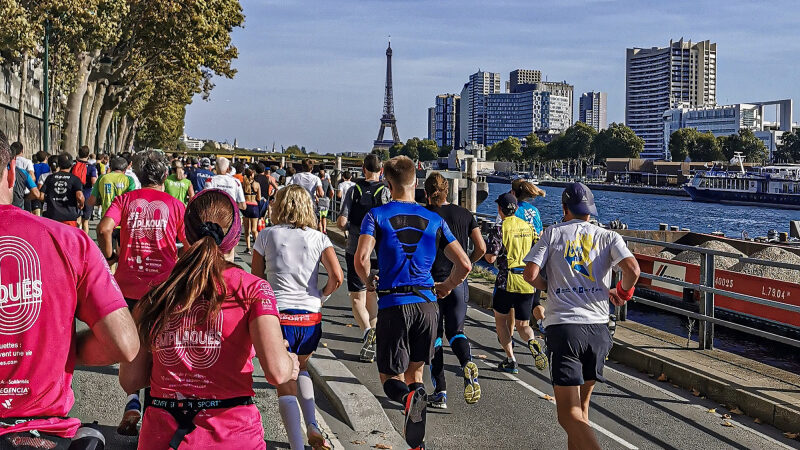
(366, 195)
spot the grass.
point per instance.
(482, 273)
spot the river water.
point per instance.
(645, 212)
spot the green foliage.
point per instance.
(395, 149)
(508, 149)
(534, 149)
(444, 152)
(697, 146)
(575, 143)
(416, 149)
(209, 147)
(746, 142)
(428, 150)
(616, 141)
(295, 150)
(382, 153)
(789, 151)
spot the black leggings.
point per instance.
(452, 314)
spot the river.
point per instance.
(645, 212)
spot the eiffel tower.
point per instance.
(387, 120)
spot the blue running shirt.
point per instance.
(530, 214)
(407, 236)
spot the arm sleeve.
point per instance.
(98, 293)
(539, 252)
(619, 249)
(494, 241)
(446, 234)
(115, 210)
(263, 302)
(368, 224)
(347, 202)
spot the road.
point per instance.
(631, 411)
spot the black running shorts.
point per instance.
(354, 283)
(405, 333)
(523, 304)
(577, 352)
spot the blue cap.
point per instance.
(579, 200)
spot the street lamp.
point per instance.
(46, 131)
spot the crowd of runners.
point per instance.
(162, 296)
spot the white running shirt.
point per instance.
(228, 184)
(344, 186)
(292, 257)
(309, 182)
(577, 258)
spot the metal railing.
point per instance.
(708, 291)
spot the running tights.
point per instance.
(452, 313)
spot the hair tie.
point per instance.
(212, 230)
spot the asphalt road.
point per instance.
(631, 411)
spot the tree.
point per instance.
(508, 149)
(294, 150)
(616, 141)
(576, 142)
(428, 150)
(534, 149)
(681, 142)
(445, 150)
(789, 150)
(395, 150)
(209, 147)
(745, 142)
(382, 153)
(706, 148)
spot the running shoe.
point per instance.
(368, 347)
(508, 366)
(438, 400)
(472, 390)
(539, 358)
(317, 439)
(416, 412)
(541, 327)
(130, 419)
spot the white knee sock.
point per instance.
(305, 390)
(290, 413)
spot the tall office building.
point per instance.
(660, 78)
(592, 110)
(472, 108)
(431, 122)
(522, 113)
(446, 129)
(520, 77)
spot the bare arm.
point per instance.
(135, 375)
(490, 258)
(320, 192)
(480, 245)
(80, 199)
(112, 339)
(104, 231)
(91, 201)
(366, 244)
(630, 275)
(190, 193)
(459, 272)
(532, 275)
(257, 265)
(334, 269)
(35, 194)
(279, 365)
(341, 222)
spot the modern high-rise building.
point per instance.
(520, 77)
(660, 78)
(446, 129)
(592, 110)
(522, 113)
(472, 108)
(431, 122)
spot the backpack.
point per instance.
(366, 195)
(81, 170)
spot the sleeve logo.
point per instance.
(20, 286)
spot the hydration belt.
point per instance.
(416, 290)
(300, 320)
(184, 411)
(517, 270)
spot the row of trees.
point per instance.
(137, 63)
(580, 141)
(692, 144)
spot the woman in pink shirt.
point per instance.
(199, 331)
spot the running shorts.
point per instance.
(577, 352)
(27, 440)
(86, 212)
(354, 283)
(405, 333)
(323, 213)
(523, 304)
(251, 211)
(302, 329)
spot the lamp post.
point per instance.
(46, 131)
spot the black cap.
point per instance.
(506, 200)
(579, 200)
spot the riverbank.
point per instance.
(633, 189)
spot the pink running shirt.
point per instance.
(50, 274)
(210, 360)
(150, 221)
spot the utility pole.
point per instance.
(46, 131)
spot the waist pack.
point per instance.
(184, 411)
(416, 290)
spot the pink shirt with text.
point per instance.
(150, 221)
(50, 274)
(212, 359)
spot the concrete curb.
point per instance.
(354, 403)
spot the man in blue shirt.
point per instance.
(199, 176)
(406, 237)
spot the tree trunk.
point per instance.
(86, 112)
(23, 92)
(131, 135)
(69, 133)
(122, 132)
(97, 104)
(102, 130)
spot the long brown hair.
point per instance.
(197, 274)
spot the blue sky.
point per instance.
(312, 72)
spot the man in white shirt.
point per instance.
(345, 184)
(23, 163)
(577, 258)
(308, 181)
(224, 181)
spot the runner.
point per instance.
(407, 237)
(294, 277)
(112, 185)
(308, 181)
(577, 257)
(25, 188)
(509, 242)
(344, 185)
(177, 184)
(62, 277)
(87, 173)
(367, 193)
(524, 191)
(324, 201)
(150, 222)
(252, 212)
(200, 331)
(23, 163)
(223, 180)
(200, 176)
(63, 194)
(453, 308)
(39, 168)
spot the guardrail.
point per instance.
(707, 290)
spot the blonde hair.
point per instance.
(292, 206)
(525, 189)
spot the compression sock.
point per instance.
(305, 390)
(437, 367)
(290, 414)
(460, 346)
(415, 386)
(396, 390)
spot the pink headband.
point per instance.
(226, 242)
